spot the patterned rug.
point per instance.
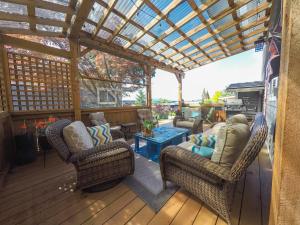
(146, 182)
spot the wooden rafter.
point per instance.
(31, 15)
(235, 18)
(82, 13)
(70, 13)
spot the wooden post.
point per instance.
(75, 53)
(179, 77)
(4, 62)
(148, 72)
(285, 199)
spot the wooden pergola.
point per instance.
(175, 36)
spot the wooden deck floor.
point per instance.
(36, 195)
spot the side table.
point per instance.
(129, 129)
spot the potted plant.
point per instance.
(40, 129)
(148, 125)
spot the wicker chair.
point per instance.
(210, 182)
(195, 125)
(102, 164)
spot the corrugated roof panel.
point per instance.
(96, 13)
(146, 40)
(255, 37)
(120, 41)
(167, 61)
(204, 42)
(196, 54)
(129, 31)
(136, 48)
(125, 6)
(251, 5)
(158, 46)
(144, 16)
(104, 34)
(180, 11)
(225, 20)
(48, 28)
(113, 21)
(260, 26)
(183, 60)
(13, 8)
(160, 28)
(193, 23)
(228, 31)
(168, 52)
(60, 2)
(253, 18)
(189, 49)
(12, 24)
(228, 40)
(49, 14)
(199, 34)
(88, 27)
(218, 7)
(148, 53)
(177, 56)
(181, 44)
(171, 37)
(161, 5)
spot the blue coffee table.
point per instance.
(162, 137)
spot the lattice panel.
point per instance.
(3, 106)
(39, 84)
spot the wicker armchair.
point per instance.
(195, 125)
(99, 165)
(210, 182)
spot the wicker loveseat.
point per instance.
(210, 182)
(102, 164)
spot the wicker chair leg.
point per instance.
(164, 184)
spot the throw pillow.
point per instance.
(77, 137)
(203, 140)
(100, 134)
(232, 138)
(203, 151)
(239, 118)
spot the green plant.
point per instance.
(148, 124)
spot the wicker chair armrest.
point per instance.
(198, 126)
(91, 154)
(177, 118)
(194, 163)
(117, 134)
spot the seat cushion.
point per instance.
(77, 137)
(239, 118)
(100, 134)
(184, 124)
(231, 140)
(115, 128)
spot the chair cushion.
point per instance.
(239, 118)
(184, 124)
(100, 134)
(97, 118)
(231, 140)
(203, 140)
(77, 137)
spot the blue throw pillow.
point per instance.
(203, 151)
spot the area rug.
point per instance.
(146, 182)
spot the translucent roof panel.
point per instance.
(12, 24)
(113, 21)
(136, 48)
(49, 14)
(186, 51)
(60, 2)
(144, 16)
(199, 34)
(129, 31)
(160, 28)
(146, 40)
(96, 13)
(193, 23)
(176, 14)
(148, 53)
(158, 46)
(125, 6)
(120, 41)
(173, 36)
(217, 8)
(13, 8)
(169, 51)
(225, 20)
(161, 5)
(181, 44)
(104, 34)
(90, 28)
(228, 31)
(48, 28)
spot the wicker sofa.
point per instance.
(210, 182)
(102, 164)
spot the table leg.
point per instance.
(137, 144)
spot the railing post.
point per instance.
(75, 54)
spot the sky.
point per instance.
(215, 76)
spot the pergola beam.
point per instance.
(82, 13)
(127, 54)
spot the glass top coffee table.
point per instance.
(162, 137)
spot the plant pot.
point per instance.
(25, 151)
(147, 132)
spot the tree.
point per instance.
(216, 96)
(140, 98)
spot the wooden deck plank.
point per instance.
(188, 212)
(170, 209)
(205, 217)
(142, 217)
(126, 213)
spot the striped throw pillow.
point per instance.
(203, 140)
(100, 134)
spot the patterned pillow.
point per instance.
(203, 140)
(100, 134)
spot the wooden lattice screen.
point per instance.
(3, 106)
(38, 83)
